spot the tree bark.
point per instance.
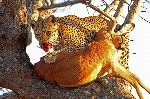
(16, 71)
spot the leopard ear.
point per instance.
(52, 18)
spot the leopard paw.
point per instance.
(50, 58)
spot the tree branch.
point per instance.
(119, 9)
(133, 12)
(86, 2)
(102, 12)
(63, 4)
(76, 2)
(113, 5)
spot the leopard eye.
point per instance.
(33, 25)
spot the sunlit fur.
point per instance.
(81, 67)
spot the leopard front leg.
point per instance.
(50, 57)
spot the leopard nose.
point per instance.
(46, 47)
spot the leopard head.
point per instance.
(46, 32)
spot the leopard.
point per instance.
(66, 34)
(71, 33)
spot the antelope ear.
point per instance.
(52, 18)
(129, 27)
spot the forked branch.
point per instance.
(86, 2)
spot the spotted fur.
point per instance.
(124, 44)
(70, 31)
(124, 57)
